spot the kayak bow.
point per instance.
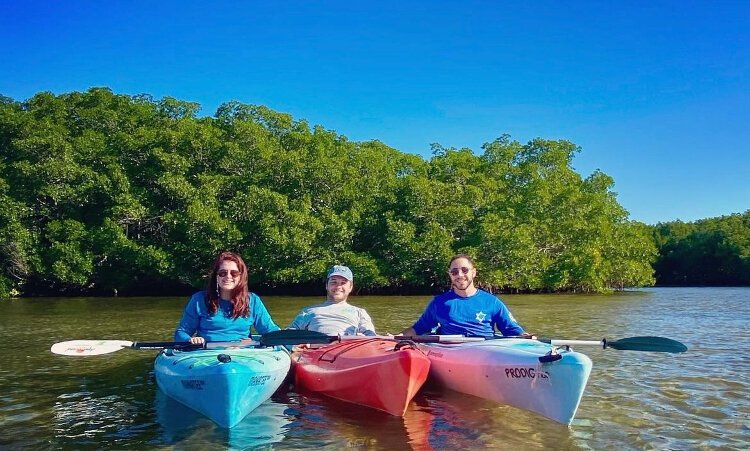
(379, 373)
(510, 371)
(223, 384)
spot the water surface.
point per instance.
(634, 400)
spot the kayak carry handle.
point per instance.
(550, 357)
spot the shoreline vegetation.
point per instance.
(108, 194)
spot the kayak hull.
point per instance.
(222, 384)
(509, 371)
(382, 374)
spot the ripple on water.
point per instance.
(15, 412)
(88, 416)
(74, 395)
(14, 407)
(7, 420)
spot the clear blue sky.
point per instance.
(657, 94)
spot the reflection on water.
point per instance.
(327, 423)
(180, 425)
(634, 400)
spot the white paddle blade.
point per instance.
(89, 347)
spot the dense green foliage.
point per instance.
(102, 192)
(713, 252)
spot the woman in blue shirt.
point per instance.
(226, 310)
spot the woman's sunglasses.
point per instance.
(224, 272)
(463, 269)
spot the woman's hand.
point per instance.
(197, 340)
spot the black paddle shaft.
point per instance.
(181, 345)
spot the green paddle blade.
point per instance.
(653, 344)
(293, 337)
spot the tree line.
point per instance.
(709, 252)
(102, 193)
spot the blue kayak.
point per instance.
(223, 384)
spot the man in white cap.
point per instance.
(335, 316)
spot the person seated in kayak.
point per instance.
(335, 316)
(226, 310)
(465, 309)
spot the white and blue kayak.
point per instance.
(223, 384)
(523, 373)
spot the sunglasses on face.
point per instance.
(455, 271)
(224, 272)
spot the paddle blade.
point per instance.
(89, 347)
(653, 344)
(294, 337)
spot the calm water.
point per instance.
(634, 400)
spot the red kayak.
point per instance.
(381, 373)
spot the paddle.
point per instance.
(276, 338)
(294, 337)
(291, 337)
(99, 347)
(650, 344)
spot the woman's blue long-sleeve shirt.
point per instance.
(196, 319)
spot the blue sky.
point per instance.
(657, 94)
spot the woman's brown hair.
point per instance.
(240, 305)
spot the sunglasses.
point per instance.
(455, 271)
(224, 272)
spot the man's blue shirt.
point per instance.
(476, 315)
(221, 326)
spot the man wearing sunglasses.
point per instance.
(465, 309)
(335, 316)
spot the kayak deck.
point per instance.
(379, 373)
(223, 384)
(510, 372)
